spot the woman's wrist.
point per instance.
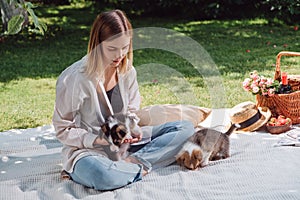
(100, 141)
(96, 142)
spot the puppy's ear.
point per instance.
(105, 128)
(184, 160)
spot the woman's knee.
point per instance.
(105, 182)
(187, 127)
(99, 179)
(115, 178)
(104, 174)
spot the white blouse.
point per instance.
(80, 110)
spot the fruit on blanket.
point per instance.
(279, 121)
(279, 125)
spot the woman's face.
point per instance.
(115, 50)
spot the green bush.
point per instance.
(286, 10)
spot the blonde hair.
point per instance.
(107, 25)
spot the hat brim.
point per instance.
(265, 116)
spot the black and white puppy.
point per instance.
(117, 128)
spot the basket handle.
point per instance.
(277, 75)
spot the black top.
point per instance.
(110, 92)
(115, 99)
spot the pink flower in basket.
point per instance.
(257, 84)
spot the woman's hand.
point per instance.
(133, 140)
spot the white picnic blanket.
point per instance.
(30, 167)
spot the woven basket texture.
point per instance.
(284, 104)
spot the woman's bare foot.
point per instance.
(144, 173)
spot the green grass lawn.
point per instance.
(30, 65)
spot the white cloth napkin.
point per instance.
(290, 138)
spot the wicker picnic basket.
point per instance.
(284, 104)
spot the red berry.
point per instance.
(282, 121)
(277, 124)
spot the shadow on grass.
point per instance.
(235, 46)
(35, 56)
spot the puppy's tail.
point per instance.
(232, 128)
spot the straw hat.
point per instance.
(249, 116)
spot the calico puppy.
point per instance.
(117, 128)
(203, 146)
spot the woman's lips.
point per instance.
(117, 61)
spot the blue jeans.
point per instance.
(101, 173)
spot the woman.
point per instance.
(90, 90)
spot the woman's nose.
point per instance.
(120, 53)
